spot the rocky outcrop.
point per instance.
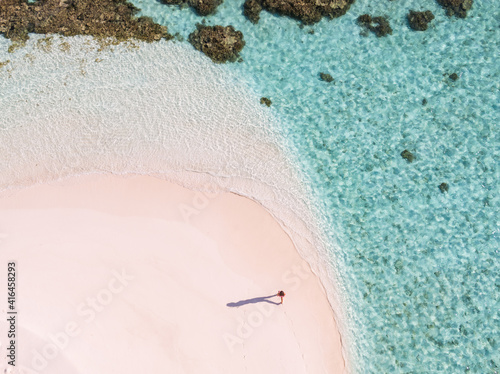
(325, 77)
(407, 155)
(419, 21)
(103, 18)
(443, 187)
(252, 9)
(307, 11)
(378, 25)
(220, 43)
(457, 8)
(265, 101)
(201, 7)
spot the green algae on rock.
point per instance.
(220, 43)
(102, 19)
(407, 155)
(456, 8)
(419, 21)
(307, 11)
(378, 25)
(325, 77)
(265, 101)
(201, 7)
(443, 187)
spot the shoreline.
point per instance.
(158, 129)
(224, 222)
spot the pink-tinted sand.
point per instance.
(138, 275)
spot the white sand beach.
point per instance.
(134, 274)
(138, 275)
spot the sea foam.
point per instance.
(72, 106)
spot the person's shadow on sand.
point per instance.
(255, 300)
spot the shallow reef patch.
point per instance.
(201, 7)
(419, 21)
(458, 8)
(103, 19)
(306, 11)
(407, 155)
(378, 25)
(220, 43)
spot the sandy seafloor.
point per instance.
(413, 272)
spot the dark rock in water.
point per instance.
(419, 20)
(220, 43)
(407, 155)
(101, 19)
(307, 11)
(378, 25)
(424, 101)
(202, 7)
(454, 76)
(206, 7)
(443, 187)
(265, 101)
(364, 18)
(326, 77)
(252, 9)
(457, 8)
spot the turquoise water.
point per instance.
(421, 267)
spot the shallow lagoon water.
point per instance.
(420, 267)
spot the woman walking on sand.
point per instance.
(282, 295)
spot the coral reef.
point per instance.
(407, 155)
(419, 21)
(457, 8)
(252, 9)
(326, 77)
(307, 11)
(378, 25)
(443, 187)
(103, 18)
(202, 7)
(220, 43)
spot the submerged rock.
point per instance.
(443, 187)
(457, 8)
(454, 76)
(307, 11)
(102, 19)
(220, 43)
(419, 20)
(378, 25)
(265, 101)
(407, 155)
(202, 7)
(326, 77)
